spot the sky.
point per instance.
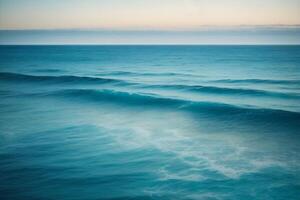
(150, 21)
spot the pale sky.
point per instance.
(149, 21)
(145, 14)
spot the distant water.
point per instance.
(150, 122)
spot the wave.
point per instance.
(49, 70)
(7, 76)
(69, 79)
(254, 81)
(196, 107)
(229, 91)
(127, 73)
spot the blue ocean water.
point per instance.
(150, 122)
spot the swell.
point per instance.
(263, 81)
(229, 91)
(68, 79)
(128, 73)
(254, 81)
(16, 77)
(50, 70)
(207, 108)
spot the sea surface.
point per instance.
(150, 122)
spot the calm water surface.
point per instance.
(150, 122)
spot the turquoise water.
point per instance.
(150, 122)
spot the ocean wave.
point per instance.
(229, 91)
(254, 81)
(7, 76)
(49, 70)
(128, 73)
(196, 107)
(71, 79)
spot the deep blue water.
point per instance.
(150, 122)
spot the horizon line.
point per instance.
(153, 44)
(198, 28)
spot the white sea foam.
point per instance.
(224, 153)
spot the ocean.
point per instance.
(150, 122)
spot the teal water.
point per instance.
(150, 122)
